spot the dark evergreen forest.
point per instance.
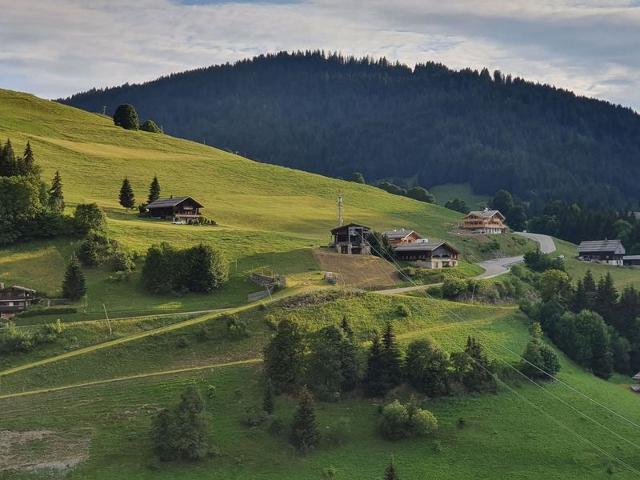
(428, 125)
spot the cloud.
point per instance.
(58, 48)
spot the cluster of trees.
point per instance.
(126, 117)
(592, 322)
(127, 197)
(30, 208)
(416, 192)
(457, 205)
(200, 268)
(20, 340)
(305, 109)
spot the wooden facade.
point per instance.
(428, 254)
(178, 209)
(401, 237)
(351, 239)
(484, 221)
(609, 252)
(15, 299)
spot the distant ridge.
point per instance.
(333, 115)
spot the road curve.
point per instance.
(492, 268)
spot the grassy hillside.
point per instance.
(463, 191)
(104, 425)
(267, 215)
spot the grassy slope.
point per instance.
(267, 215)
(463, 191)
(497, 426)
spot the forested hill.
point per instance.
(431, 125)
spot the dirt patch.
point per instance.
(42, 450)
(362, 271)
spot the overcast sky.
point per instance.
(58, 47)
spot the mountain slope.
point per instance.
(335, 115)
(267, 216)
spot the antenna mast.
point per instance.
(340, 209)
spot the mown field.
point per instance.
(267, 216)
(105, 425)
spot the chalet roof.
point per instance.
(18, 287)
(601, 246)
(486, 213)
(636, 376)
(426, 246)
(343, 227)
(399, 234)
(631, 257)
(172, 202)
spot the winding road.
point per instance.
(492, 268)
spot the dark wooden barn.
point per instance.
(15, 299)
(177, 209)
(351, 239)
(429, 254)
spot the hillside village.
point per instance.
(232, 306)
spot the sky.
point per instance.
(59, 47)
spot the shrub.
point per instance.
(74, 285)
(126, 117)
(427, 368)
(236, 327)
(403, 310)
(276, 427)
(453, 288)
(96, 249)
(122, 261)
(304, 431)
(338, 434)
(88, 217)
(150, 126)
(402, 421)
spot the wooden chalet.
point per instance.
(428, 254)
(402, 236)
(610, 252)
(631, 260)
(351, 239)
(484, 221)
(15, 299)
(177, 209)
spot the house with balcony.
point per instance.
(609, 252)
(180, 210)
(15, 299)
(484, 221)
(428, 254)
(401, 236)
(351, 239)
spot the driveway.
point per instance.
(492, 268)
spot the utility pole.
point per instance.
(107, 317)
(104, 110)
(340, 204)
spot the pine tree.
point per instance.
(8, 165)
(268, 401)
(284, 357)
(74, 285)
(127, 198)
(374, 378)
(304, 431)
(126, 117)
(606, 298)
(390, 472)
(391, 358)
(154, 190)
(56, 197)
(346, 328)
(191, 419)
(29, 160)
(590, 290)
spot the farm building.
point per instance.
(631, 260)
(428, 254)
(610, 252)
(351, 239)
(178, 209)
(15, 299)
(402, 236)
(484, 221)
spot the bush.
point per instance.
(126, 117)
(96, 249)
(47, 311)
(338, 434)
(453, 288)
(236, 327)
(88, 217)
(122, 261)
(427, 368)
(403, 310)
(150, 126)
(401, 421)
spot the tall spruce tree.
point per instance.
(346, 328)
(74, 285)
(606, 298)
(8, 165)
(391, 358)
(191, 417)
(590, 290)
(304, 430)
(56, 196)
(127, 198)
(374, 377)
(284, 357)
(29, 161)
(324, 364)
(154, 190)
(268, 399)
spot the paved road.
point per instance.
(492, 268)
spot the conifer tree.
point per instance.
(154, 190)
(74, 285)
(284, 357)
(56, 197)
(191, 418)
(346, 328)
(304, 431)
(126, 117)
(391, 358)
(8, 165)
(29, 160)
(374, 377)
(390, 472)
(268, 401)
(127, 198)
(606, 298)
(590, 290)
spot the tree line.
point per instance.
(334, 114)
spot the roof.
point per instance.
(486, 213)
(172, 202)
(341, 227)
(428, 246)
(603, 246)
(631, 257)
(18, 287)
(636, 376)
(399, 234)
